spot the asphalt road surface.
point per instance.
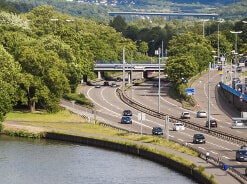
(110, 108)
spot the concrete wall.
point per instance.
(234, 99)
(190, 172)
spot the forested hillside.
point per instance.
(227, 9)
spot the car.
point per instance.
(127, 113)
(106, 83)
(213, 123)
(220, 67)
(155, 85)
(118, 79)
(126, 120)
(97, 86)
(244, 147)
(113, 84)
(241, 155)
(185, 115)
(199, 139)
(178, 126)
(238, 69)
(201, 114)
(157, 131)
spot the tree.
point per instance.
(119, 24)
(143, 47)
(191, 44)
(44, 74)
(181, 67)
(9, 77)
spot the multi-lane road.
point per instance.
(110, 108)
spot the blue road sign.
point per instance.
(190, 91)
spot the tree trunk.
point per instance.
(32, 106)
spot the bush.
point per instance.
(79, 99)
(1, 126)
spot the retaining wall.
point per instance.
(131, 149)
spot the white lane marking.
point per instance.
(225, 141)
(116, 114)
(226, 157)
(201, 148)
(214, 152)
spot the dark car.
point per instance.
(220, 67)
(213, 123)
(97, 85)
(238, 69)
(155, 85)
(113, 84)
(157, 131)
(235, 81)
(127, 113)
(199, 139)
(241, 155)
(106, 83)
(126, 120)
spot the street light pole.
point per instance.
(55, 20)
(209, 67)
(123, 68)
(203, 22)
(236, 46)
(236, 39)
(159, 83)
(218, 45)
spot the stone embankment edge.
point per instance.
(135, 150)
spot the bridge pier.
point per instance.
(99, 75)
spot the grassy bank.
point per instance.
(65, 121)
(72, 124)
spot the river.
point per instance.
(28, 161)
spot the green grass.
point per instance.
(68, 122)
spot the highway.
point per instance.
(109, 107)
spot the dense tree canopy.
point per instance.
(48, 53)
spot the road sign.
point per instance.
(190, 91)
(141, 116)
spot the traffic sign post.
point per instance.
(141, 116)
(190, 91)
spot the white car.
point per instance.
(178, 126)
(185, 115)
(201, 114)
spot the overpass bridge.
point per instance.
(128, 68)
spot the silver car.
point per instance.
(201, 114)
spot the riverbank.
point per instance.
(134, 146)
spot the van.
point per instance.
(241, 155)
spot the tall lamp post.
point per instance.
(203, 24)
(236, 39)
(55, 20)
(236, 46)
(209, 67)
(157, 52)
(123, 87)
(218, 45)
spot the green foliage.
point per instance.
(79, 99)
(180, 67)
(1, 127)
(119, 24)
(22, 133)
(9, 77)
